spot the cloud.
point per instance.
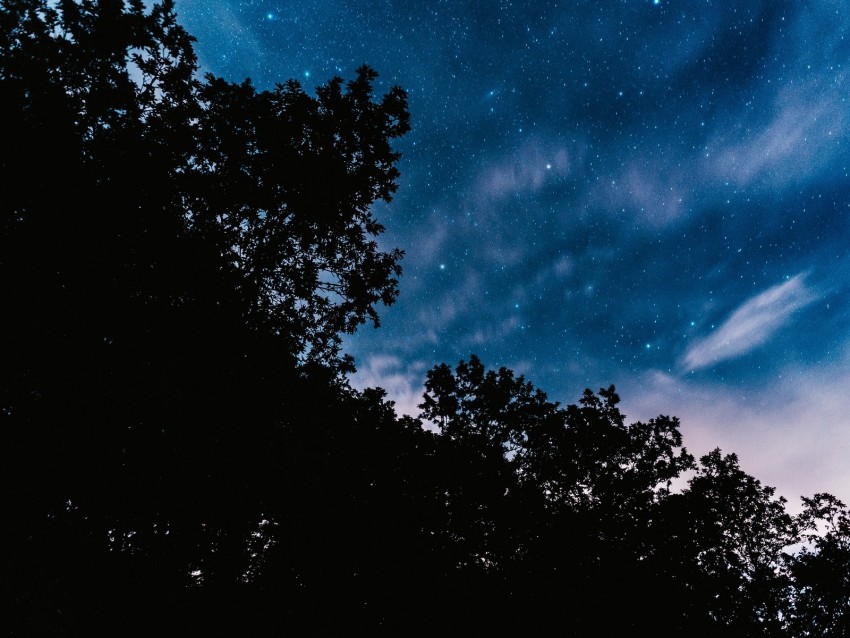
(659, 198)
(492, 332)
(654, 191)
(527, 169)
(563, 266)
(521, 183)
(404, 383)
(751, 325)
(798, 140)
(792, 432)
(454, 304)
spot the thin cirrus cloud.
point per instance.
(800, 139)
(522, 171)
(751, 325)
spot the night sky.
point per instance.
(653, 194)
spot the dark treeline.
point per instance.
(182, 452)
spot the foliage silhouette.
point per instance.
(820, 601)
(179, 259)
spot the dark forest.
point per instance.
(181, 257)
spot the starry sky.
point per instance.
(649, 193)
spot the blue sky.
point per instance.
(650, 194)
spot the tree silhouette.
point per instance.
(179, 259)
(820, 600)
(284, 184)
(723, 540)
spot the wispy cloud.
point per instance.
(404, 382)
(454, 304)
(751, 325)
(655, 192)
(795, 143)
(527, 169)
(792, 433)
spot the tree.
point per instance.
(179, 258)
(285, 183)
(280, 183)
(553, 503)
(484, 419)
(722, 545)
(820, 600)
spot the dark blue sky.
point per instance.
(650, 194)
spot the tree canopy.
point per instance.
(180, 258)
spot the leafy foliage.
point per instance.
(301, 238)
(179, 258)
(821, 571)
(276, 186)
